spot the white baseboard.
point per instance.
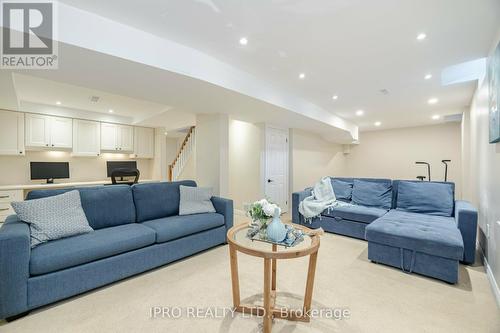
(493, 282)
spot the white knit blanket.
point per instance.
(322, 197)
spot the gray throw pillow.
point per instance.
(53, 217)
(195, 200)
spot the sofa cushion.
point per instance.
(104, 206)
(425, 197)
(157, 200)
(77, 250)
(372, 193)
(53, 217)
(355, 213)
(170, 228)
(342, 189)
(195, 200)
(434, 235)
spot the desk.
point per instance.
(10, 193)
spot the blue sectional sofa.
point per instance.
(136, 228)
(416, 226)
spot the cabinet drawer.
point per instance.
(11, 195)
(6, 209)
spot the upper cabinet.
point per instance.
(48, 132)
(86, 138)
(144, 142)
(117, 138)
(11, 133)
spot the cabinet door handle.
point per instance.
(3, 209)
(52, 145)
(46, 144)
(4, 196)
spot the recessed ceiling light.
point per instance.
(302, 76)
(360, 113)
(111, 111)
(378, 123)
(433, 100)
(335, 97)
(436, 117)
(428, 76)
(58, 103)
(421, 36)
(243, 41)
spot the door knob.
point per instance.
(269, 181)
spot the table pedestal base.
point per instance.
(269, 310)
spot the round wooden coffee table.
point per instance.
(238, 241)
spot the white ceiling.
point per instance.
(351, 48)
(47, 92)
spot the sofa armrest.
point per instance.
(297, 197)
(225, 207)
(466, 218)
(14, 266)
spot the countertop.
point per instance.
(61, 185)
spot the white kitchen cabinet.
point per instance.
(144, 142)
(86, 138)
(6, 198)
(61, 132)
(37, 130)
(126, 138)
(109, 136)
(11, 133)
(48, 132)
(117, 138)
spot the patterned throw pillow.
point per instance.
(195, 200)
(53, 217)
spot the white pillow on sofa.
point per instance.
(53, 217)
(195, 200)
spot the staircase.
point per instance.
(182, 157)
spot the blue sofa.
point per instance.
(416, 226)
(136, 228)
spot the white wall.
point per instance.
(483, 175)
(159, 164)
(244, 163)
(16, 169)
(312, 158)
(212, 136)
(392, 153)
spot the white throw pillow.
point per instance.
(53, 217)
(195, 200)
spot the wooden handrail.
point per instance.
(184, 142)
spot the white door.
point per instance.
(11, 133)
(86, 138)
(37, 130)
(126, 138)
(276, 166)
(61, 132)
(144, 142)
(109, 136)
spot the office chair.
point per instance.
(125, 173)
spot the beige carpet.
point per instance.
(379, 298)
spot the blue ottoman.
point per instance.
(425, 244)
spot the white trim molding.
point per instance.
(493, 282)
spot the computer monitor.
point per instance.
(49, 170)
(112, 165)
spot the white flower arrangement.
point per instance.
(262, 210)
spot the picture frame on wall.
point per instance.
(494, 95)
